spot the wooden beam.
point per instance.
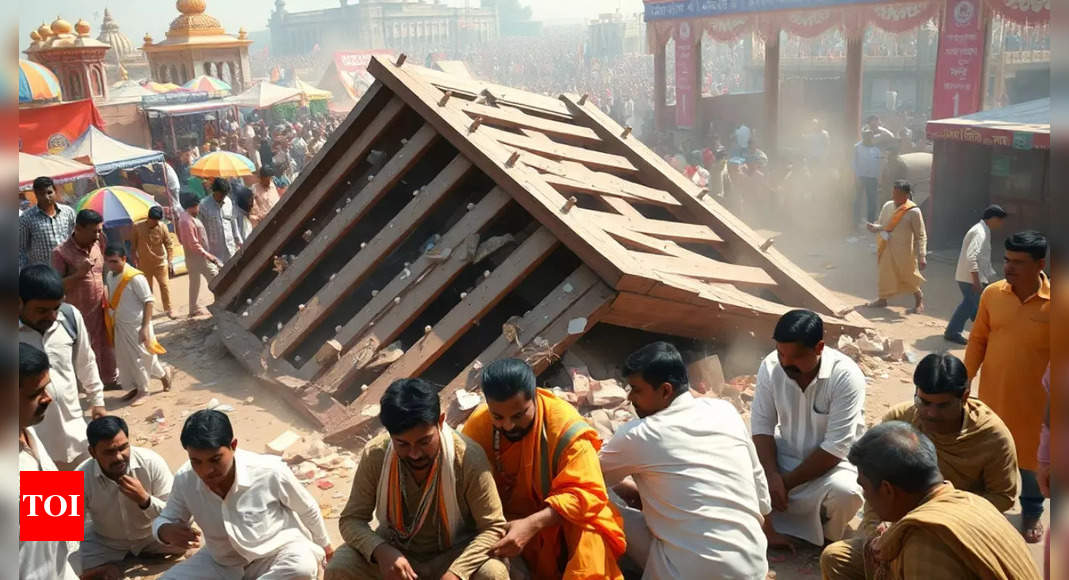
(368, 258)
(702, 268)
(643, 243)
(452, 326)
(553, 150)
(405, 296)
(533, 324)
(529, 102)
(620, 206)
(308, 399)
(592, 245)
(587, 184)
(340, 225)
(794, 285)
(285, 220)
(664, 229)
(511, 117)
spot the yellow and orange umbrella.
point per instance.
(223, 164)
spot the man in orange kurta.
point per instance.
(1011, 340)
(546, 468)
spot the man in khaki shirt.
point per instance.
(432, 492)
(153, 250)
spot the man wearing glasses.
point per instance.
(975, 450)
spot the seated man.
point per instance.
(807, 410)
(249, 506)
(419, 457)
(702, 491)
(937, 531)
(125, 489)
(975, 450)
(547, 474)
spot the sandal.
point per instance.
(1032, 529)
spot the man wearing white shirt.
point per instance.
(696, 474)
(42, 560)
(867, 170)
(808, 409)
(250, 508)
(49, 324)
(126, 487)
(974, 271)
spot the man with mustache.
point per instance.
(47, 323)
(250, 508)
(546, 467)
(808, 409)
(37, 560)
(430, 490)
(126, 487)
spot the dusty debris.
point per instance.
(601, 421)
(896, 349)
(468, 400)
(706, 375)
(324, 484)
(847, 346)
(329, 352)
(386, 356)
(155, 417)
(607, 393)
(492, 245)
(308, 449)
(278, 445)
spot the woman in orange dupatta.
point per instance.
(544, 456)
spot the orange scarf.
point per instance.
(900, 213)
(129, 273)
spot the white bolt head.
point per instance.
(397, 300)
(337, 329)
(248, 301)
(300, 307)
(279, 326)
(374, 292)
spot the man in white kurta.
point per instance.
(699, 479)
(37, 560)
(803, 428)
(130, 302)
(263, 525)
(58, 329)
(126, 487)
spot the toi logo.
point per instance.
(51, 505)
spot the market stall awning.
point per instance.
(1021, 126)
(312, 93)
(188, 108)
(127, 91)
(107, 154)
(264, 95)
(60, 169)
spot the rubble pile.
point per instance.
(872, 352)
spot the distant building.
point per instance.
(76, 58)
(614, 35)
(413, 26)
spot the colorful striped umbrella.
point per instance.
(118, 204)
(37, 83)
(207, 84)
(223, 164)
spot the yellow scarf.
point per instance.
(900, 213)
(128, 273)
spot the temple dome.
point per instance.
(61, 26)
(112, 36)
(81, 27)
(193, 21)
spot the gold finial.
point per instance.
(82, 27)
(147, 39)
(242, 33)
(61, 26)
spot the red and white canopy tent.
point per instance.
(687, 21)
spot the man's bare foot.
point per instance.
(129, 396)
(1032, 529)
(168, 378)
(199, 312)
(171, 314)
(139, 400)
(881, 303)
(918, 309)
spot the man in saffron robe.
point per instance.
(901, 247)
(547, 472)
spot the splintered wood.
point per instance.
(451, 222)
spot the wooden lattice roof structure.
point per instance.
(462, 221)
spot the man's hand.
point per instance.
(131, 487)
(777, 489)
(146, 337)
(922, 262)
(872, 227)
(392, 563)
(83, 269)
(977, 287)
(328, 553)
(179, 535)
(97, 412)
(1043, 477)
(217, 261)
(628, 491)
(517, 534)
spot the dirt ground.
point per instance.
(205, 371)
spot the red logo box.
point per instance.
(51, 506)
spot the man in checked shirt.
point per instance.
(45, 226)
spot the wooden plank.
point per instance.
(307, 399)
(340, 224)
(702, 268)
(453, 325)
(702, 322)
(794, 285)
(593, 246)
(406, 295)
(527, 101)
(368, 258)
(620, 206)
(664, 229)
(570, 290)
(284, 220)
(590, 186)
(642, 242)
(511, 117)
(573, 176)
(553, 150)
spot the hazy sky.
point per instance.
(136, 17)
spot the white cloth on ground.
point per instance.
(702, 487)
(262, 512)
(96, 551)
(71, 367)
(137, 366)
(828, 415)
(41, 560)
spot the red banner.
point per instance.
(686, 83)
(959, 65)
(51, 128)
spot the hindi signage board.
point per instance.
(959, 82)
(686, 95)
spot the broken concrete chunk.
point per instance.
(601, 421)
(869, 345)
(847, 346)
(307, 450)
(468, 400)
(577, 325)
(706, 374)
(607, 393)
(280, 444)
(896, 349)
(469, 247)
(492, 245)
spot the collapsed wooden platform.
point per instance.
(450, 222)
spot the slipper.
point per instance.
(129, 396)
(1032, 530)
(140, 400)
